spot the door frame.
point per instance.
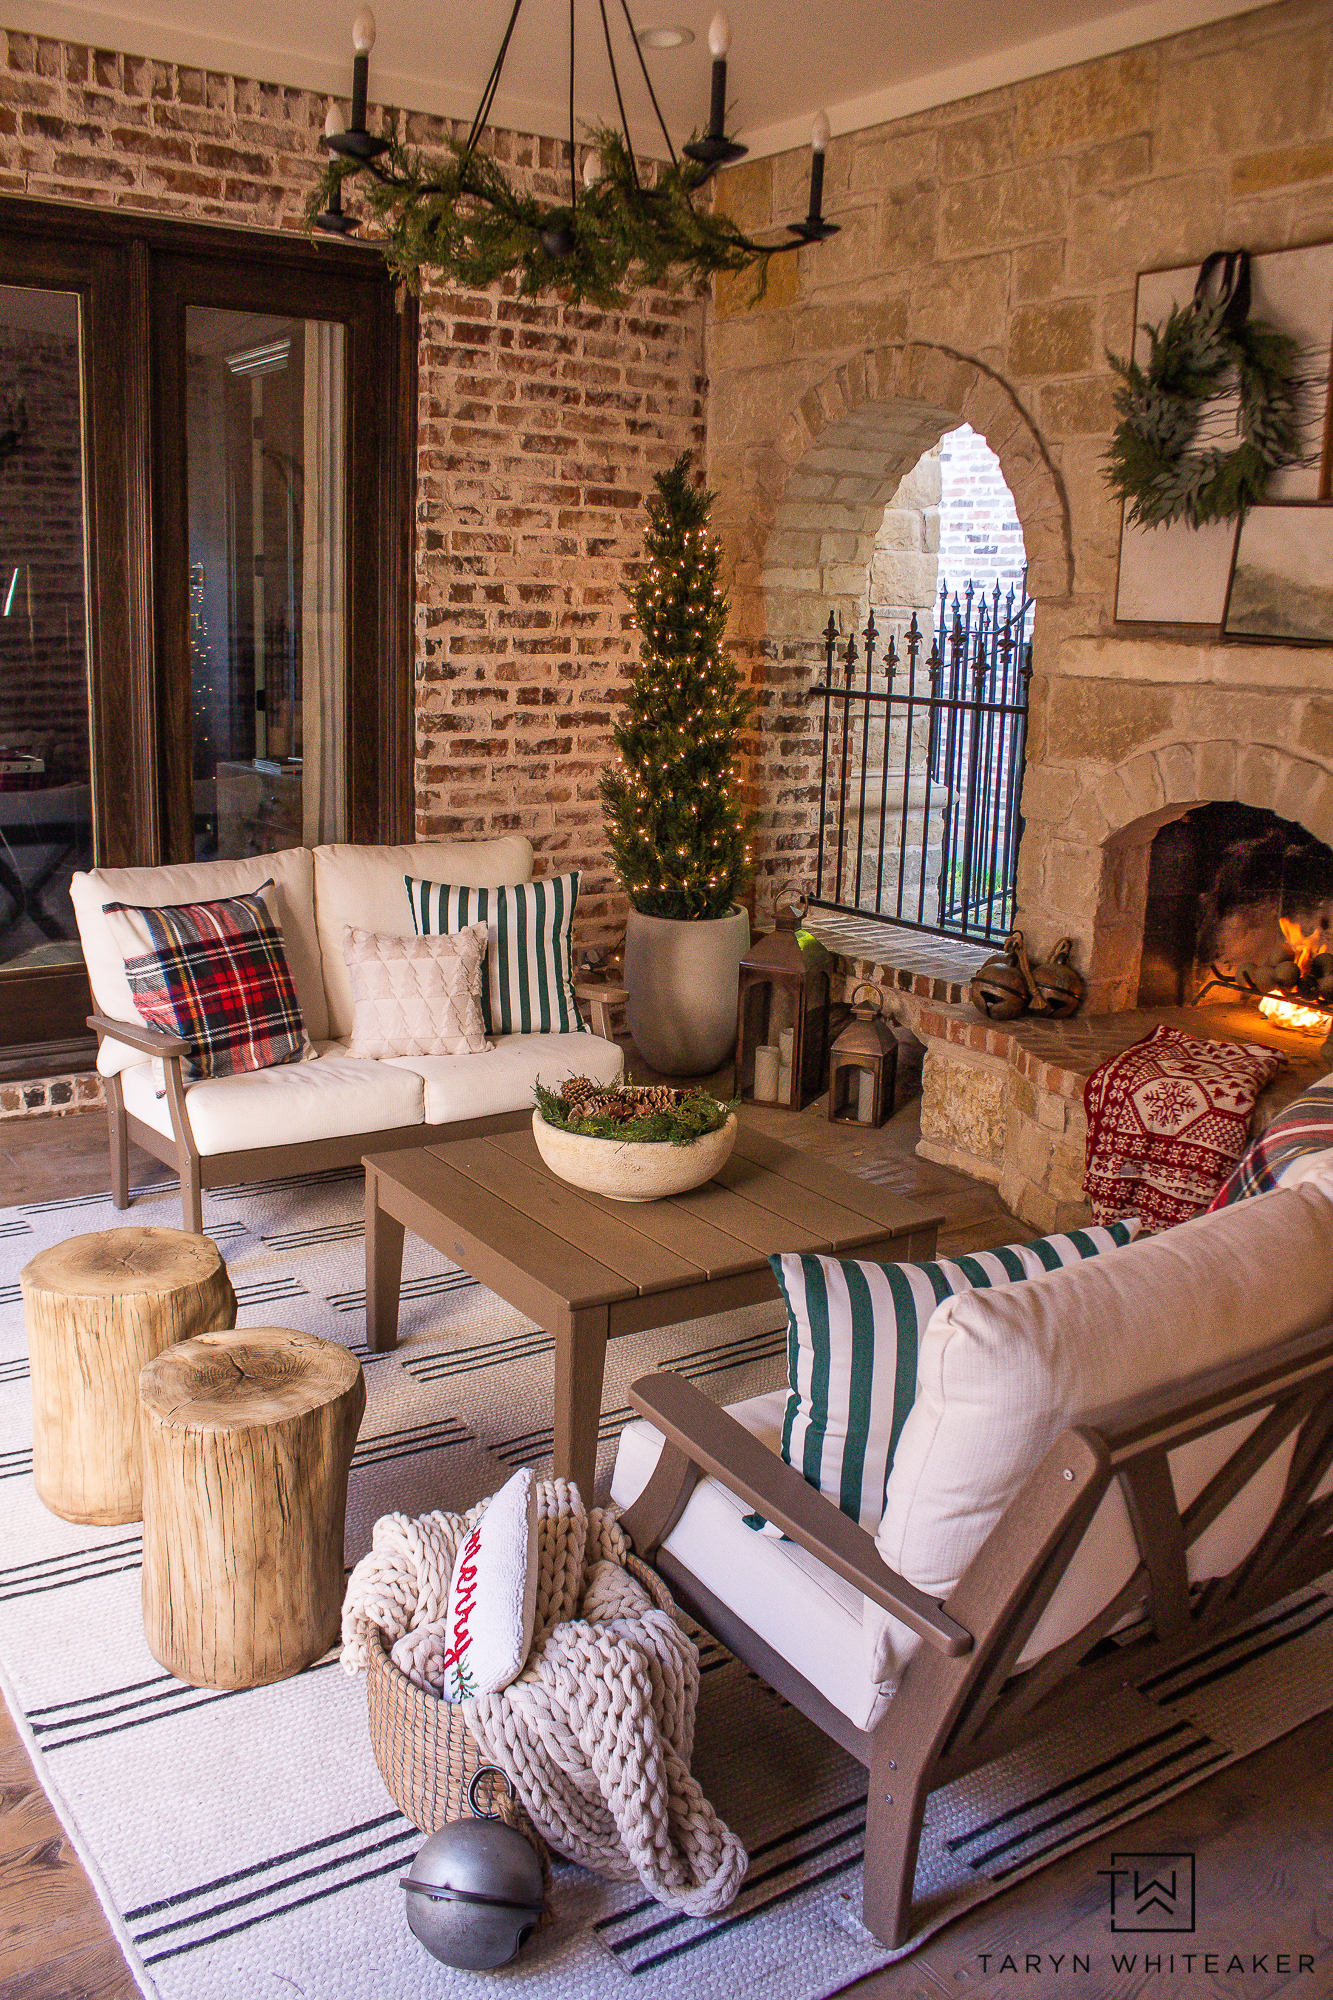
(118, 263)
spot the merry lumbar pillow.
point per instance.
(492, 1602)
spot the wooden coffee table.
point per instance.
(587, 1268)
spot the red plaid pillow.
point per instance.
(217, 975)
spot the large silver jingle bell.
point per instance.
(475, 1893)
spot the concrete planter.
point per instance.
(630, 1170)
(682, 975)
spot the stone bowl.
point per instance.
(633, 1170)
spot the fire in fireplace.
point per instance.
(1240, 901)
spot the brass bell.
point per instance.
(1060, 986)
(1002, 988)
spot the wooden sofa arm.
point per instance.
(138, 1035)
(704, 1440)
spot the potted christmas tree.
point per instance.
(675, 822)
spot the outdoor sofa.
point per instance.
(299, 1117)
(1105, 1469)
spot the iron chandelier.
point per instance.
(623, 228)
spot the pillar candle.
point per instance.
(765, 1073)
(865, 1098)
(784, 1083)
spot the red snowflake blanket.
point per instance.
(1167, 1121)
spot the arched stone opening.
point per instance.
(847, 446)
(803, 514)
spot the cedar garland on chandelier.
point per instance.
(632, 224)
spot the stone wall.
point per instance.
(540, 430)
(986, 262)
(905, 559)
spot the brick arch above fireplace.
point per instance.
(1119, 813)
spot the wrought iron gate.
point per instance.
(922, 767)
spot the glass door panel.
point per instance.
(46, 816)
(266, 481)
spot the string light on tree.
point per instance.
(675, 822)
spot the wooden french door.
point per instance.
(208, 650)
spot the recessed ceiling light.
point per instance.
(665, 38)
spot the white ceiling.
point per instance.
(865, 60)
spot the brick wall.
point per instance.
(981, 537)
(540, 430)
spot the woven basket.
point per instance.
(427, 1754)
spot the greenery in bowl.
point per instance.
(644, 1113)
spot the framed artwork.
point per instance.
(1281, 585)
(1178, 574)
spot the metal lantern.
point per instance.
(782, 1015)
(863, 1068)
(475, 1893)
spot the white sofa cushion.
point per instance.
(330, 1098)
(502, 1078)
(363, 886)
(292, 871)
(805, 1612)
(1002, 1373)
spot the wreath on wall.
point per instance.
(1158, 463)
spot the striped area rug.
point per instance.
(243, 1844)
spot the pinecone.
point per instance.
(655, 1097)
(579, 1095)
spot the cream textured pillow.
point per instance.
(416, 996)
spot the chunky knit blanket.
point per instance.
(597, 1732)
(1167, 1121)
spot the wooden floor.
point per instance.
(1262, 1832)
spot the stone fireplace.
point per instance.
(1135, 734)
(1178, 801)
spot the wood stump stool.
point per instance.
(247, 1440)
(97, 1308)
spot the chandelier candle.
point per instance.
(352, 141)
(363, 41)
(819, 138)
(719, 41)
(715, 149)
(813, 228)
(333, 219)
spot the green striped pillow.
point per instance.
(529, 984)
(853, 1331)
